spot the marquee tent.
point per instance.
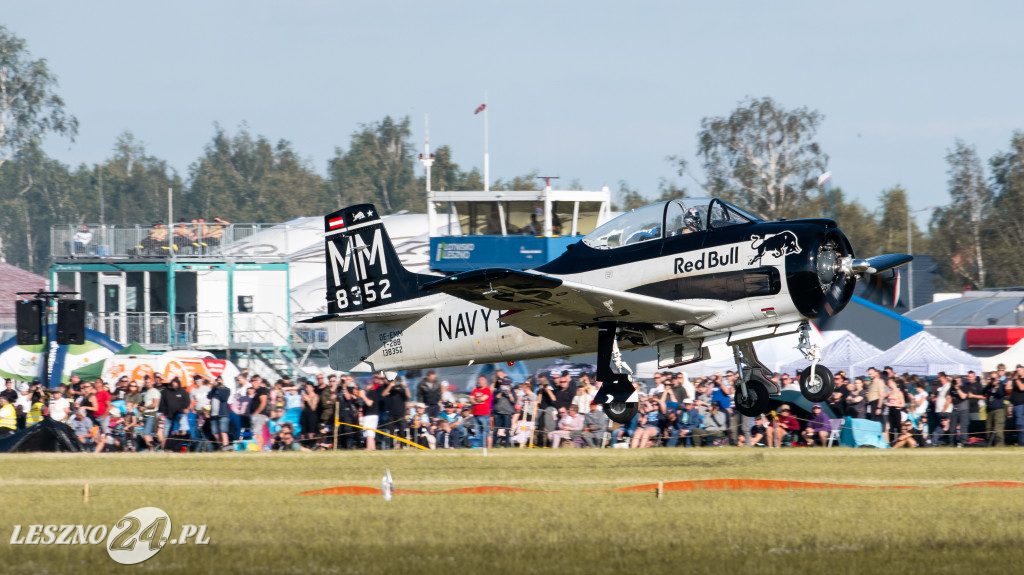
(922, 354)
(839, 355)
(1011, 358)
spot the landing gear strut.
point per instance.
(617, 394)
(816, 382)
(755, 387)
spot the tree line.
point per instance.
(762, 156)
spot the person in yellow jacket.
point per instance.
(35, 414)
(8, 417)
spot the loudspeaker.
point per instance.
(70, 321)
(29, 319)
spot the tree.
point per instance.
(629, 199)
(29, 107)
(1006, 267)
(248, 179)
(763, 156)
(377, 168)
(959, 229)
(892, 225)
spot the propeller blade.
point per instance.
(881, 263)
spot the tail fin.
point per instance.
(363, 269)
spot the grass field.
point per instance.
(258, 523)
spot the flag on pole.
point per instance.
(480, 108)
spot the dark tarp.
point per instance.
(47, 435)
(801, 405)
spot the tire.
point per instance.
(818, 388)
(621, 412)
(755, 402)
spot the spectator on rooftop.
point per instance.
(79, 242)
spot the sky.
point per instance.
(592, 91)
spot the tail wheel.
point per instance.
(755, 401)
(621, 412)
(818, 386)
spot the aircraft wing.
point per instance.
(557, 303)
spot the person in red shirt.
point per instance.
(102, 399)
(481, 398)
(786, 423)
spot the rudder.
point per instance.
(363, 268)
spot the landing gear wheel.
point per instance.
(621, 412)
(819, 386)
(755, 401)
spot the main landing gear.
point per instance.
(752, 394)
(816, 381)
(755, 387)
(617, 393)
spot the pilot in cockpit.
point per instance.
(691, 222)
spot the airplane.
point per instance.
(692, 277)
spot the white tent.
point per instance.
(772, 352)
(840, 354)
(1011, 358)
(922, 354)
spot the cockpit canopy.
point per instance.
(667, 219)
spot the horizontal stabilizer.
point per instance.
(378, 315)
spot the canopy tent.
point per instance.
(95, 370)
(841, 354)
(1012, 357)
(922, 354)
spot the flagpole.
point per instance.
(487, 156)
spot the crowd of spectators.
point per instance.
(381, 412)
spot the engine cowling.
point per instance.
(819, 283)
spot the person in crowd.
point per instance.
(155, 242)
(895, 402)
(9, 392)
(150, 412)
(395, 394)
(8, 417)
(689, 421)
(787, 428)
(60, 407)
(595, 425)
(649, 424)
(504, 407)
(995, 409)
(309, 421)
(213, 233)
(174, 409)
(819, 428)
(445, 438)
(370, 399)
(1016, 390)
(905, 436)
(86, 431)
(713, 425)
(428, 392)
(329, 390)
(349, 403)
(481, 399)
(874, 396)
(570, 425)
(219, 397)
(79, 242)
(259, 410)
(960, 417)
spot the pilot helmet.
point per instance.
(692, 220)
